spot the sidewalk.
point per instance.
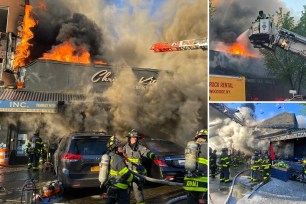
(278, 192)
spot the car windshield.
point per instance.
(164, 146)
(88, 146)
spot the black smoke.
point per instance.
(58, 24)
(232, 18)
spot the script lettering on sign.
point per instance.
(106, 76)
(147, 81)
(102, 76)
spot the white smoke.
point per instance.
(301, 121)
(234, 136)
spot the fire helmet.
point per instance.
(113, 143)
(36, 132)
(133, 133)
(224, 149)
(202, 133)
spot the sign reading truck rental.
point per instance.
(226, 88)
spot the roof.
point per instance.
(21, 95)
(281, 121)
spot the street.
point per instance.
(13, 178)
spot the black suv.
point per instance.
(170, 159)
(76, 160)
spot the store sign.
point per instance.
(106, 76)
(29, 106)
(290, 136)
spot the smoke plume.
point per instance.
(232, 18)
(59, 24)
(175, 107)
(228, 133)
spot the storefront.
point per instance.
(52, 87)
(288, 144)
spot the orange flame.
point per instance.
(22, 50)
(237, 49)
(100, 62)
(42, 5)
(66, 52)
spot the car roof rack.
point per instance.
(89, 132)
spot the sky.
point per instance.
(295, 6)
(267, 110)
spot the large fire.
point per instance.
(22, 50)
(238, 49)
(66, 52)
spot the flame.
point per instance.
(42, 5)
(66, 52)
(238, 49)
(100, 62)
(22, 50)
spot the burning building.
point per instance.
(64, 83)
(232, 54)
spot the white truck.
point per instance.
(264, 34)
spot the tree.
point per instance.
(283, 64)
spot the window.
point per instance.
(88, 146)
(3, 19)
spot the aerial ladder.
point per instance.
(194, 44)
(264, 34)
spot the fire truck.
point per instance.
(264, 34)
(193, 44)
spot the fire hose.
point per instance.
(169, 183)
(232, 186)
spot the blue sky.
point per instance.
(266, 110)
(295, 6)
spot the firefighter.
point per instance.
(240, 159)
(195, 181)
(304, 169)
(212, 162)
(43, 153)
(234, 158)
(134, 153)
(225, 164)
(119, 176)
(33, 150)
(261, 15)
(255, 166)
(266, 166)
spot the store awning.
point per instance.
(12, 100)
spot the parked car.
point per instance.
(76, 160)
(170, 162)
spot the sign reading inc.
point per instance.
(28, 106)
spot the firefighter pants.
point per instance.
(194, 196)
(117, 195)
(138, 193)
(33, 161)
(255, 174)
(266, 175)
(224, 174)
(213, 169)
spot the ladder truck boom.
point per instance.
(263, 34)
(194, 44)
